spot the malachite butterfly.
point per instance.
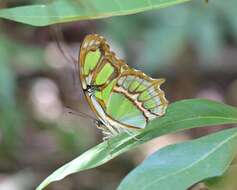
(124, 99)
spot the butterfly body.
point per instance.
(124, 99)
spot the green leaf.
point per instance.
(181, 115)
(7, 85)
(181, 165)
(8, 118)
(60, 11)
(225, 182)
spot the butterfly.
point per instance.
(123, 99)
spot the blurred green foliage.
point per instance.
(7, 94)
(164, 35)
(21, 63)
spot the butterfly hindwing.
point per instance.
(140, 99)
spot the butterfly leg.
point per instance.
(107, 133)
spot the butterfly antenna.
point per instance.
(57, 35)
(79, 113)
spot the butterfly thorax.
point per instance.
(90, 90)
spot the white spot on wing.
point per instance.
(89, 79)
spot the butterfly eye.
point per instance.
(98, 122)
(91, 89)
(88, 89)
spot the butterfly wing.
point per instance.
(122, 98)
(99, 69)
(95, 69)
(136, 99)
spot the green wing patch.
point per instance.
(91, 60)
(123, 110)
(104, 74)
